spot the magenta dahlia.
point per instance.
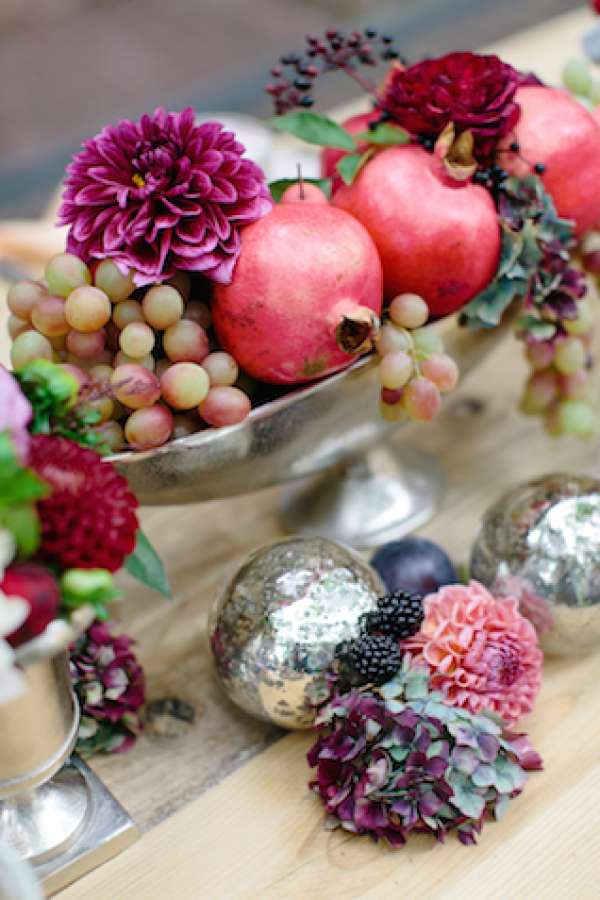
(89, 520)
(473, 91)
(161, 195)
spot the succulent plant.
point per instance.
(398, 759)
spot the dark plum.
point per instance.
(415, 565)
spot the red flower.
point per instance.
(474, 92)
(38, 587)
(89, 520)
(595, 4)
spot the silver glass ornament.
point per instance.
(541, 542)
(274, 630)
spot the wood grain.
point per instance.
(259, 833)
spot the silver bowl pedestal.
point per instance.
(370, 493)
(54, 812)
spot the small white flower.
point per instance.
(7, 549)
(13, 612)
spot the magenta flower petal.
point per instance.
(135, 180)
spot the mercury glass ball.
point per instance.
(274, 630)
(541, 542)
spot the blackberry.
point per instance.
(398, 616)
(372, 659)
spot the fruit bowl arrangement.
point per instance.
(225, 332)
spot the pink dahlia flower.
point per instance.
(482, 653)
(15, 413)
(161, 195)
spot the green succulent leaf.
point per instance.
(314, 129)
(24, 524)
(278, 188)
(145, 565)
(349, 166)
(484, 775)
(385, 135)
(537, 328)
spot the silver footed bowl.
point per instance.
(302, 433)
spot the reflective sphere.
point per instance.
(541, 542)
(274, 630)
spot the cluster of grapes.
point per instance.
(579, 81)
(559, 389)
(414, 370)
(142, 357)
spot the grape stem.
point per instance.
(411, 347)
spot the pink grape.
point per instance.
(134, 386)
(126, 312)
(59, 342)
(87, 309)
(395, 369)
(101, 373)
(48, 316)
(112, 435)
(185, 424)
(78, 374)
(65, 273)
(29, 346)
(109, 278)
(184, 385)
(540, 392)
(147, 428)
(17, 326)
(104, 358)
(391, 397)
(408, 311)
(23, 296)
(390, 340)
(148, 361)
(421, 399)
(442, 370)
(575, 386)
(221, 368)
(199, 312)
(162, 306)
(182, 282)
(186, 341)
(584, 321)
(86, 346)
(137, 340)
(102, 405)
(224, 406)
(540, 354)
(569, 356)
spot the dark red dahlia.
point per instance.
(163, 194)
(89, 519)
(39, 588)
(595, 4)
(474, 92)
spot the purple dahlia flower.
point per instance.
(161, 195)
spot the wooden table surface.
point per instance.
(224, 808)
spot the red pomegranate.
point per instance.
(38, 587)
(306, 292)
(557, 131)
(436, 236)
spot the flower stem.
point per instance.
(364, 83)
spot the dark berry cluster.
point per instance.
(295, 75)
(372, 659)
(398, 615)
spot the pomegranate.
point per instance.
(305, 295)
(331, 155)
(303, 192)
(557, 131)
(436, 237)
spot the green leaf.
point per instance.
(277, 188)
(469, 802)
(384, 135)
(24, 524)
(314, 129)
(349, 166)
(145, 565)
(93, 587)
(484, 776)
(487, 308)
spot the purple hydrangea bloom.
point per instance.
(161, 195)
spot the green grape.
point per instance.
(570, 356)
(577, 77)
(576, 417)
(426, 342)
(584, 321)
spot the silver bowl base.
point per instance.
(100, 827)
(375, 498)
